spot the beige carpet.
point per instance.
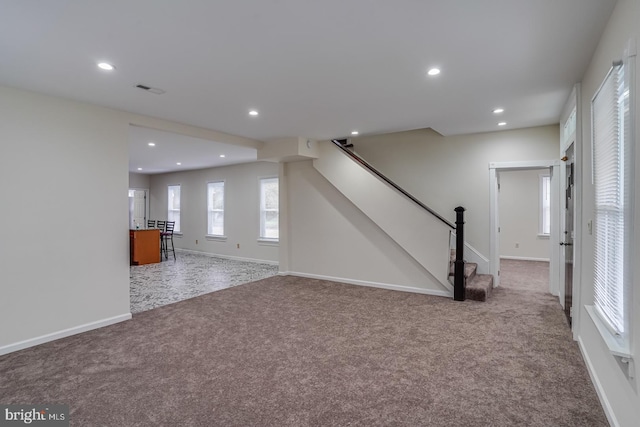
(288, 351)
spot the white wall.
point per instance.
(139, 180)
(64, 252)
(242, 209)
(520, 215)
(445, 172)
(330, 237)
(422, 235)
(619, 394)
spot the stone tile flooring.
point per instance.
(190, 275)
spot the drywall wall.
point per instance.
(422, 235)
(65, 249)
(619, 394)
(445, 172)
(519, 214)
(330, 237)
(139, 180)
(242, 209)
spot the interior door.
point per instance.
(137, 208)
(567, 242)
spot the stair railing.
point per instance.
(459, 281)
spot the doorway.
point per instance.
(553, 166)
(524, 226)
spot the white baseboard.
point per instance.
(606, 406)
(63, 333)
(524, 258)
(401, 288)
(235, 258)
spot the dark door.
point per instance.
(567, 242)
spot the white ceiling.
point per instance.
(317, 69)
(170, 149)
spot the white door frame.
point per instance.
(566, 139)
(494, 259)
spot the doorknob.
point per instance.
(566, 244)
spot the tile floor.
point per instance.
(190, 275)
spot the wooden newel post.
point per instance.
(458, 272)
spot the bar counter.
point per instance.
(144, 246)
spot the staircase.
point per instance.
(478, 287)
(429, 238)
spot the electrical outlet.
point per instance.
(196, 241)
(238, 245)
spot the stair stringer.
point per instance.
(423, 236)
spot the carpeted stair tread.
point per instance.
(470, 269)
(480, 287)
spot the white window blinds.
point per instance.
(173, 208)
(269, 209)
(545, 205)
(611, 172)
(215, 208)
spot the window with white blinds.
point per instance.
(173, 206)
(611, 179)
(269, 209)
(215, 208)
(544, 224)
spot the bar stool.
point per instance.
(166, 237)
(151, 223)
(160, 224)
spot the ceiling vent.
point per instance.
(150, 89)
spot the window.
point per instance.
(544, 227)
(611, 132)
(269, 208)
(215, 208)
(173, 209)
(569, 127)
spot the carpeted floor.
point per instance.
(521, 275)
(287, 351)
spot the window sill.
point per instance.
(268, 242)
(216, 238)
(544, 236)
(615, 346)
(177, 234)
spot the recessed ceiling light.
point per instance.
(253, 113)
(502, 124)
(152, 144)
(106, 66)
(433, 72)
(355, 132)
(222, 155)
(498, 111)
(139, 169)
(178, 163)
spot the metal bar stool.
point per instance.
(160, 224)
(167, 236)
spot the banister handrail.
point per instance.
(380, 175)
